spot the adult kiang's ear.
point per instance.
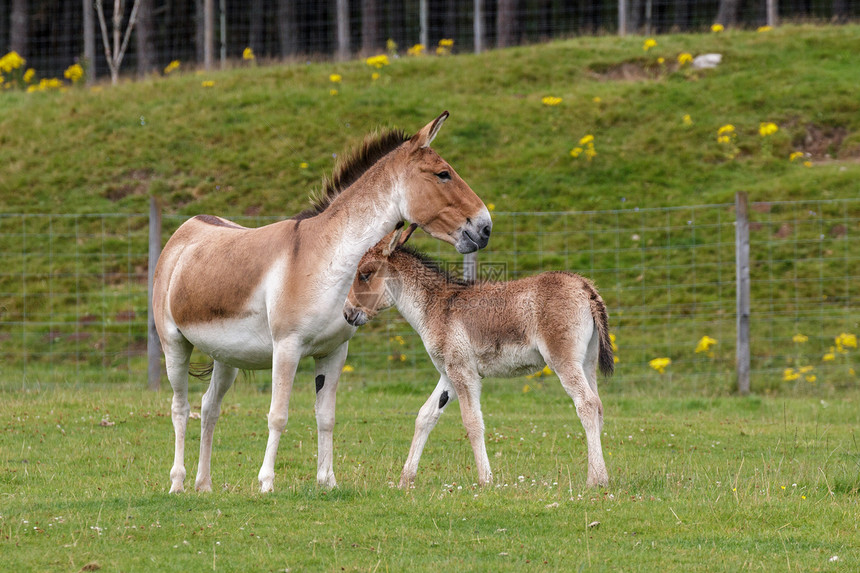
(425, 137)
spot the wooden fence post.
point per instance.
(153, 345)
(470, 266)
(742, 265)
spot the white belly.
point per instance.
(510, 362)
(240, 342)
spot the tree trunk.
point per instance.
(89, 40)
(147, 59)
(727, 14)
(256, 26)
(342, 16)
(288, 28)
(370, 42)
(507, 23)
(634, 16)
(19, 27)
(199, 40)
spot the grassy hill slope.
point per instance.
(239, 146)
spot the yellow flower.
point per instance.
(347, 368)
(807, 164)
(586, 140)
(207, 83)
(416, 50)
(590, 153)
(491, 206)
(687, 119)
(767, 128)
(596, 99)
(649, 43)
(717, 28)
(660, 364)
(248, 54)
(446, 43)
(377, 61)
(612, 342)
(29, 75)
(526, 388)
(846, 340)
(811, 378)
(546, 371)
(575, 151)
(391, 46)
(172, 67)
(705, 343)
(332, 92)
(303, 165)
(335, 78)
(661, 60)
(764, 29)
(550, 100)
(444, 47)
(11, 61)
(685, 58)
(829, 357)
(74, 73)
(795, 155)
(805, 369)
(374, 76)
(789, 375)
(800, 338)
(726, 129)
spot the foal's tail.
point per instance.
(605, 360)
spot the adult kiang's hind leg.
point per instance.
(177, 354)
(223, 377)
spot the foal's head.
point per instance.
(371, 289)
(438, 199)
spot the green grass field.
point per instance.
(726, 484)
(700, 480)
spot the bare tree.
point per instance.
(19, 27)
(146, 57)
(114, 55)
(89, 40)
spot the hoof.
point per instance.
(327, 482)
(204, 486)
(267, 485)
(177, 488)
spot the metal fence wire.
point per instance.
(53, 35)
(73, 294)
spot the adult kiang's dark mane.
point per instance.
(348, 170)
(433, 266)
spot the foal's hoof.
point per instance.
(204, 485)
(267, 485)
(177, 488)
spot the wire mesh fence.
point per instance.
(52, 35)
(73, 295)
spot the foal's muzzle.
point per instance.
(355, 316)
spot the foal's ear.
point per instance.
(424, 137)
(391, 241)
(407, 233)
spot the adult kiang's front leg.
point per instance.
(284, 364)
(327, 375)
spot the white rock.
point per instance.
(707, 61)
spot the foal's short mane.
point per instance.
(433, 266)
(374, 147)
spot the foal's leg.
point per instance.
(285, 361)
(177, 355)
(568, 364)
(223, 377)
(468, 387)
(327, 375)
(442, 395)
